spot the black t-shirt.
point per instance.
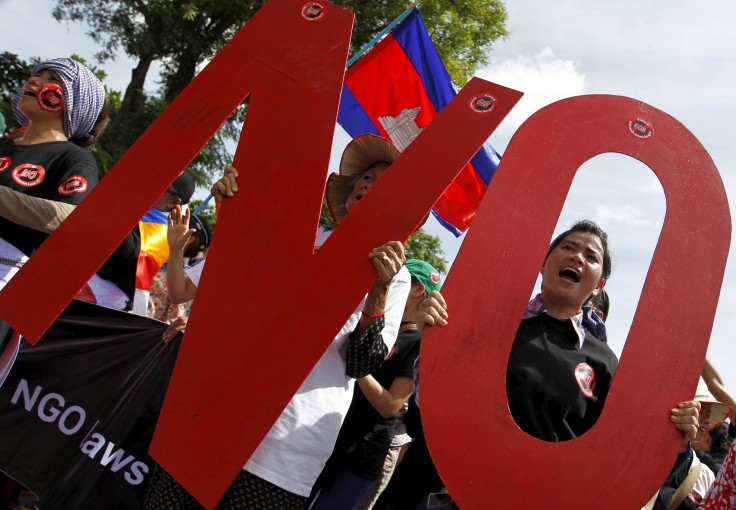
(58, 171)
(677, 475)
(365, 436)
(556, 391)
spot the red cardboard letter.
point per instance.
(244, 357)
(624, 458)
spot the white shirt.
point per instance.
(298, 445)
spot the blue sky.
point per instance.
(675, 56)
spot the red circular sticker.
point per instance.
(313, 11)
(4, 163)
(51, 98)
(28, 175)
(435, 277)
(585, 376)
(483, 104)
(74, 184)
(640, 128)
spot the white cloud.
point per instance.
(543, 79)
(625, 216)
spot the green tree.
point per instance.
(426, 247)
(208, 211)
(14, 71)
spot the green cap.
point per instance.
(425, 273)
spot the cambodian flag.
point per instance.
(395, 91)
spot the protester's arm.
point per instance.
(181, 289)
(366, 348)
(33, 212)
(386, 401)
(685, 419)
(388, 260)
(715, 384)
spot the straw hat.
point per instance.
(718, 410)
(361, 153)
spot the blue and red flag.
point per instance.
(395, 91)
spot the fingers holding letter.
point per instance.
(388, 260)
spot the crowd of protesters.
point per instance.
(351, 436)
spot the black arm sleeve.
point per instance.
(366, 352)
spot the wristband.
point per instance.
(373, 316)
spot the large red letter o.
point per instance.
(479, 451)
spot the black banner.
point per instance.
(78, 409)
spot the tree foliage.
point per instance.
(14, 71)
(426, 247)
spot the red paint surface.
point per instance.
(619, 463)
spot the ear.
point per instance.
(598, 287)
(192, 239)
(418, 290)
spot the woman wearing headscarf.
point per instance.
(48, 170)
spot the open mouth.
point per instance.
(570, 275)
(29, 93)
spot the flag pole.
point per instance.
(383, 32)
(204, 203)
(355, 57)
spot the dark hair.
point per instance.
(600, 303)
(415, 280)
(88, 141)
(202, 235)
(720, 441)
(589, 227)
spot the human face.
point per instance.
(167, 202)
(364, 183)
(703, 421)
(29, 91)
(572, 273)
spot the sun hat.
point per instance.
(360, 154)
(425, 273)
(84, 96)
(718, 410)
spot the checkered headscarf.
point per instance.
(84, 96)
